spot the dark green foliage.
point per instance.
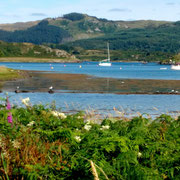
(69, 49)
(8, 49)
(41, 33)
(56, 147)
(73, 16)
(28, 50)
(150, 43)
(133, 41)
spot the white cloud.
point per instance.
(38, 14)
(119, 10)
(170, 4)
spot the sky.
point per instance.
(12, 11)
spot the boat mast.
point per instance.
(108, 52)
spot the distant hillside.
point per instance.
(31, 50)
(41, 33)
(86, 37)
(71, 26)
(18, 26)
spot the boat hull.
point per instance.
(105, 64)
(175, 67)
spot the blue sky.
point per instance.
(29, 10)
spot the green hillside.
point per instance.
(31, 50)
(148, 44)
(86, 37)
(41, 33)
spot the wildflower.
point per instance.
(77, 138)
(30, 124)
(139, 154)
(87, 127)
(8, 105)
(10, 118)
(58, 114)
(26, 101)
(16, 144)
(105, 127)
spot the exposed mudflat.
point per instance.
(34, 81)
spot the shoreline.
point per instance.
(58, 60)
(37, 60)
(35, 81)
(125, 93)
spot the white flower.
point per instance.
(58, 114)
(87, 127)
(78, 139)
(26, 101)
(139, 154)
(88, 121)
(105, 127)
(31, 123)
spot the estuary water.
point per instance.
(117, 70)
(105, 104)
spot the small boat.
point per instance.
(175, 66)
(106, 62)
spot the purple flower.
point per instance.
(8, 105)
(10, 118)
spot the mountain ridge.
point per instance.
(82, 35)
(121, 23)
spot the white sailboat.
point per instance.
(106, 62)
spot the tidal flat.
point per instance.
(35, 81)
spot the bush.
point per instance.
(43, 143)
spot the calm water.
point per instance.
(117, 70)
(105, 103)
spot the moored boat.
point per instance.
(106, 62)
(175, 66)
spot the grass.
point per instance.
(8, 74)
(44, 143)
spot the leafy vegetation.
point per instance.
(31, 50)
(42, 143)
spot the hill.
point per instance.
(141, 44)
(71, 27)
(86, 37)
(30, 50)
